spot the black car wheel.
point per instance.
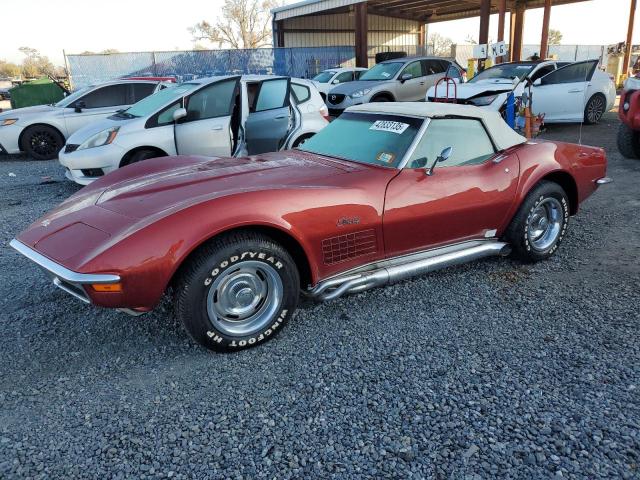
(139, 156)
(540, 224)
(628, 142)
(237, 291)
(42, 142)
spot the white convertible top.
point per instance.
(503, 136)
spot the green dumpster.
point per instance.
(36, 92)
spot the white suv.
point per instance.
(41, 131)
(217, 116)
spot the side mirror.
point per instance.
(444, 156)
(79, 105)
(405, 76)
(179, 113)
(335, 82)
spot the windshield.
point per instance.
(152, 103)
(366, 138)
(508, 70)
(74, 96)
(325, 76)
(382, 71)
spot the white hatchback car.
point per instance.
(563, 92)
(40, 131)
(217, 116)
(328, 79)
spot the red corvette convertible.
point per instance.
(385, 192)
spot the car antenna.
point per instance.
(584, 97)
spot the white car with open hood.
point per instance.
(218, 116)
(563, 92)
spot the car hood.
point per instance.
(474, 89)
(82, 134)
(21, 113)
(349, 87)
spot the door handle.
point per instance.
(421, 83)
(281, 117)
(576, 91)
(217, 127)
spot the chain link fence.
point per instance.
(304, 62)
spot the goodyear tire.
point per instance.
(628, 142)
(42, 142)
(238, 291)
(537, 229)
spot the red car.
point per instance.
(385, 192)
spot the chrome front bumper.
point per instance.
(63, 278)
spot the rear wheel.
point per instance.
(628, 142)
(237, 291)
(540, 224)
(595, 108)
(42, 142)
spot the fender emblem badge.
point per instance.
(348, 221)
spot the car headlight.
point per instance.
(632, 83)
(360, 93)
(104, 137)
(483, 101)
(8, 121)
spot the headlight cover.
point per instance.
(483, 101)
(104, 137)
(8, 121)
(632, 83)
(360, 93)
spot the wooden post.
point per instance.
(483, 38)
(517, 34)
(421, 34)
(544, 42)
(361, 30)
(502, 10)
(628, 46)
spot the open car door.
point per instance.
(207, 128)
(270, 117)
(562, 94)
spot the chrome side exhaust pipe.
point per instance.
(396, 270)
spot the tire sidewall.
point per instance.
(586, 110)
(199, 325)
(537, 200)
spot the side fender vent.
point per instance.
(352, 245)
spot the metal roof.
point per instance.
(430, 11)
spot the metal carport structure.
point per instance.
(353, 20)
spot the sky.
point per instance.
(52, 26)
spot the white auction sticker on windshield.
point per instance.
(389, 126)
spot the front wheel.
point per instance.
(237, 291)
(537, 229)
(42, 142)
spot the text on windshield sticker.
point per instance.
(389, 126)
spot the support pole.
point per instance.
(512, 30)
(485, 12)
(517, 34)
(628, 46)
(544, 42)
(502, 10)
(421, 34)
(361, 29)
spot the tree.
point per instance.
(35, 65)
(9, 70)
(441, 45)
(555, 37)
(244, 24)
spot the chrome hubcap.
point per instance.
(545, 224)
(245, 298)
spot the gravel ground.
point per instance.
(493, 369)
